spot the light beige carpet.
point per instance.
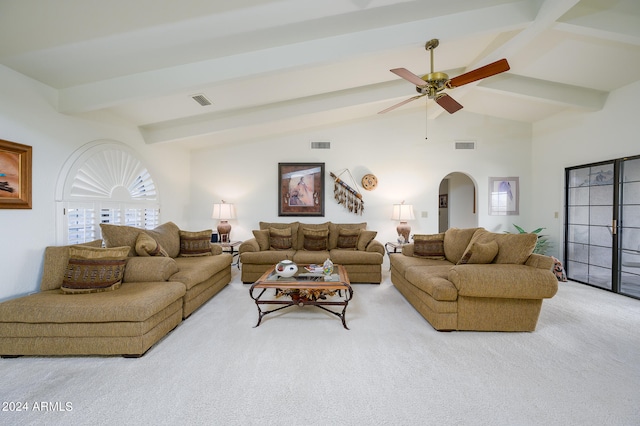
(300, 367)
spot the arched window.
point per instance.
(104, 182)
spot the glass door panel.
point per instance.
(629, 228)
(589, 236)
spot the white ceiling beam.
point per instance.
(219, 122)
(111, 92)
(561, 94)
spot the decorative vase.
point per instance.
(327, 267)
(286, 268)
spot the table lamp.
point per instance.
(223, 212)
(403, 212)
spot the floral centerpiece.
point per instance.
(305, 294)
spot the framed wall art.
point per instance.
(300, 189)
(504, 196)
(443, 201)
(15, 175)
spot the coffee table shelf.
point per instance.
(338, 282)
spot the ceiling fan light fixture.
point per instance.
(432, 84)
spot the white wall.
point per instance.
(393, 147)
(573, 139)
(28, 116)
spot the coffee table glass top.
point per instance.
(304, 277)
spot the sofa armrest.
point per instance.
(249, 246)
(155, 268)
(376, 247)
(216, 249)
(505, 281)
(407, 249)
(540, 261)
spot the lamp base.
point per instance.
(224, 229)
(404, 230)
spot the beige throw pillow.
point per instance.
(479, 253)
(262, 238)
(146, 245)
(364, 238)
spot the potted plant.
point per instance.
(543, 242)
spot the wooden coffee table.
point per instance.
(303, 289)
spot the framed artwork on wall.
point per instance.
(504, 196)
(300, 189)
(15, 175)
(443, 201)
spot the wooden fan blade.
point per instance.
(478, 74)
(406, 101)
(409, 76)
(448, 103)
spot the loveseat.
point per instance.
(163, 280)
(473, 279)
(348, 244)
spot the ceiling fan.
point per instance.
(431, 85)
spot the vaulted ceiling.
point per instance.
(273, 66)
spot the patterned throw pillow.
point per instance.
(146, 245)
(365, 238)
(429, 246)
(280, 239)
(348, 238)
(194, 244)
(479, 253)
(315, 239)
(93, 270)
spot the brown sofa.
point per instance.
(350, 245)
(156, 294)
(473, 279)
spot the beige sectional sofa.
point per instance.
(155, 295)
(348, 244)
(473, 279)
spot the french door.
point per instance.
(602, 229)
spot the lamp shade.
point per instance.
(223, 211)
(402, 212)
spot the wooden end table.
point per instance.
(303, 289)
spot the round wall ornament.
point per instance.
(369, 182)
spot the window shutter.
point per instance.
(109, 185)
(81, 225)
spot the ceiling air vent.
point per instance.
(201, 99)
(320, 145)
(465, 145)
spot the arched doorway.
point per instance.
(457, 203)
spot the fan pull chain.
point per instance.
(426, 123)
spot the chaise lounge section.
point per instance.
(155, 294)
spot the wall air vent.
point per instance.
(465, 145)
(201, 99)
(320, 145)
